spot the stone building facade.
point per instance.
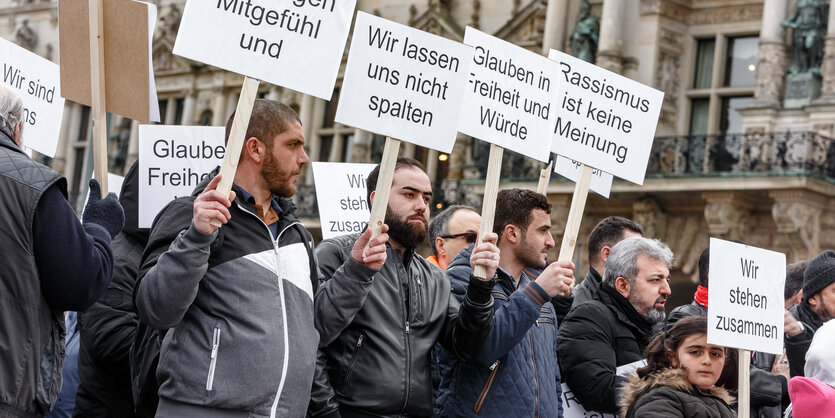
(735, 156)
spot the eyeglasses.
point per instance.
(470, 236)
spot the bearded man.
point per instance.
(378, 329)
(614, 328)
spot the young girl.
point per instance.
(679, 378)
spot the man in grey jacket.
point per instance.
(378, 329)
(238, 300)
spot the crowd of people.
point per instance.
(251, 319)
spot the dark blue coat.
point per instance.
(517, 372)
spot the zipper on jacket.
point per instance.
(351, 365)
(408, 344)
(213, 359)
(535, 375)
(479, 402)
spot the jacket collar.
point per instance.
(7, 142)
(674, 377)
(625, 312)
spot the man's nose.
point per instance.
(665, 288)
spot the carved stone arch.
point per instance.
(526, 26)
(438, 21)
(165, 60)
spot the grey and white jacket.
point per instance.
(238, 306)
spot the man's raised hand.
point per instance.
(486, 255)
(375, 256)
(557, 278)
(211, 205)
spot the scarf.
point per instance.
(701, 296)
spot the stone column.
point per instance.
(189, 107)
(609, 51)
(773, 57)
(432, 165)
(555, 18)
(170, 112)
(797, 215)
(219, 115)
(828, 65)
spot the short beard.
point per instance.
(404, 233)
(277, 183)
(530, 255)
(652, 314)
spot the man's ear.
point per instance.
(371, 198)
(17, 134)
(511, 234)
(439, 246)
(622, 286)
(255, 149)
(604, 253)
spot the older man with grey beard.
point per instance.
(614, 328)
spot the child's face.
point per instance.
(701, 361)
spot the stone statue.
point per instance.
(584, 36)
(26, 37)
(808, 25)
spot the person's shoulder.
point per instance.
(342, 241)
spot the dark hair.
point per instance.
(269, 119)
(514, 207)
(609, 232)
(371, 180)
(704, 267)
(656, 351)
(794, 278)
(440, 225)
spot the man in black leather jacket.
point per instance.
(377, 329)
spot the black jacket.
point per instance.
(589, 287)
(797, 346)
(377, 330)
(107, 328)
(596, 337)
(668, 394)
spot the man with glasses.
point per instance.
(452, 230)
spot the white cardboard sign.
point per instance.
(571, 407)
(297, 44)
(403, 83)
(604, 120)
(38, 83)
(341, 195)
(746, 297)
(601, 181)
(173, 160)
(511, 96)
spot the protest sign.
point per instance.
(127, 28)
(746, 304)
(37, 81)
(511, 96)
(403, 83)
(601, 181)
(173, 160)
(572, 408)
(296, 44)
(341, 196)
(604, 120)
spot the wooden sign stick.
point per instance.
(99, 113)
(488, 207)
(575, 215)
(744, 390)
(383, 189)
(545, 178)
(237, 137)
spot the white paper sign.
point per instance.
(38, 82)
(746, 297)
(173, 160)
(403, 83)
(297, 44)
(572, 408)
(601, 181)
(341, 195)
(604, 120)
(511, 96)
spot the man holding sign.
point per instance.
(237, 300)
(378, 329)
(52, 263)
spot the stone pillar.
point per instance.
(170, 112)
(797, 215)
(727, 214)
(274, 94)
(432, 165)
(189, 107)
(773, 57)
(555, 19)
(609, 51)
(828, 65)
(219, 115)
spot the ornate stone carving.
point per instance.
(671, 39)
(727, 214)
(746, 13)
(668, 78)
(26, 37)
(648, 213)
(828, 71)
(808, 24)
(610, 60)
(476, 16)
(586, 34)
(797, 214)
(771, 70)
(169, 24)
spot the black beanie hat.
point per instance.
(819, 274)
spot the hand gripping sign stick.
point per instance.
(98, 90)
(488, 207)
(383, 190)
(237, 137)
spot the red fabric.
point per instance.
(701, 296)
(811, 398)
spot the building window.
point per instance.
(723, 83)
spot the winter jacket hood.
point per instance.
(129, 198)
(675, 379)
(810, 396)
